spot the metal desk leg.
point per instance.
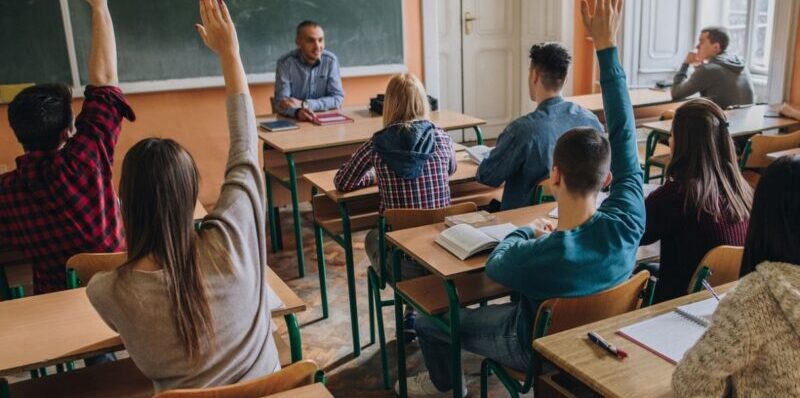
(323, 275)
(398, 318)
(5, 290)
(274, 224)
(351, 278)
(478, 134)
(455, 336)
(295, 342)
(298, 229)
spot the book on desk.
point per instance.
(464, 240)
(278, 125)
(325, 119)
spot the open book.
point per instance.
(670, 335)
(477, 153)
(464, 240)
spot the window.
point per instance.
(750, 23)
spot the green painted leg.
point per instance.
(298, 229)
(72, 279)
(371, 309)
(484, 379)
(4, 390)
(17, 292)
(398, 318)
(323, 283)
(5, 290)
(274, 226)
(478, 135)
(295, 341)
(455, 336)
(319, 377)
(373, 278)
(648, 152)
(351, 278)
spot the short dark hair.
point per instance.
(306, 24)
(39, 114)
(774, 228)
(719, 35)
(583, 155)
(551, 60)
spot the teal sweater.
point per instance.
(599, 254)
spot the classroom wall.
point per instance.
(582, 55)
(794, 94)
(196, 118)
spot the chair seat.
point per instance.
(113, 379)
(661, 160)
(429, 294)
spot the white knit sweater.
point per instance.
(753, 340)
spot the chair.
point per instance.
(82, 266)
(543, 192)
(559, 314)
(397, 219)
(296, 375)
(754, 158)
(719, 266)
(652, 159)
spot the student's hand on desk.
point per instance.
(217, 30)
(290, 102)
(305, 115)
(541, 226)
(604, 23)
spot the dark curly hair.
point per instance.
(551, 60)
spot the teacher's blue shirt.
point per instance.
(319, 84)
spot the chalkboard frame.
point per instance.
(217, 81)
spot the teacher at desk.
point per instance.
(307, 79)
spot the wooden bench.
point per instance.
(428, 292)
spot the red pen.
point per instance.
(595, 338)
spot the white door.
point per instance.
(449, 57)
(491, 59)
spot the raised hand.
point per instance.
(604, 23)
(217, 29)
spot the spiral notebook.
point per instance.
(670, 335)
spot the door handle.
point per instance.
(468, 19)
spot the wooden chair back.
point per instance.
(543, 192)
(719, 266)
(761, 145)
(410, 218)
(559, 314)
(88, 264)
(296, 375)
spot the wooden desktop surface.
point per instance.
(316, 390)
(310, 136)
(323, 180)
(640, 97)
(56, 327)
(743, 122)
(788, 152)
(642, 374)
(419, 243)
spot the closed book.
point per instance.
(278, 125)
(325, 119)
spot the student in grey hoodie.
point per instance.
(753, 343)
(718, 75)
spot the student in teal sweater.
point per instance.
(590, 250)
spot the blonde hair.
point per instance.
(405, 101)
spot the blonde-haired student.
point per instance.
(410, 159)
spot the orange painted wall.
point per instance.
(196, 118)
(582, 55)
(795, 89)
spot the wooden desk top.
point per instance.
(788, 152)
(419, 243)
(323, 180)
(55, 327)
(316, 390)
(642, 374)
(310, 136)
(743, 122)
(640, 97)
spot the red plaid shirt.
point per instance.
(430, 191)
(62, 202)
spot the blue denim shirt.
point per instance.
(319, 84)
(524, 152)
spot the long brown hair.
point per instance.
(158, 191)
(704, 163)
(405, 100)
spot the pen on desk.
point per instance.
(595, 338)
(710, 289)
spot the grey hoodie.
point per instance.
(724, 79)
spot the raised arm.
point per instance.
(219, 35)
(103, 55)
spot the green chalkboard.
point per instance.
(33, 48)
(156, 39)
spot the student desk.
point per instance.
(640, 97)
(346, 201)
(310, 137)
(316, 390)
(642, 374)
(789, 152)
(53, 328)
(418, 243)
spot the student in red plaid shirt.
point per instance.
(60, 200)
(410, 159)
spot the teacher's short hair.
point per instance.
(306, 24)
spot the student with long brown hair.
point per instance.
(191, 305)
(704, 202)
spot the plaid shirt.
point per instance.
(62, 202)
(430, 191)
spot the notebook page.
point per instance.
(668, 335)
(466, 237)
(498, 232)
(700, 311)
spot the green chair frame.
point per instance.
(542, 324)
